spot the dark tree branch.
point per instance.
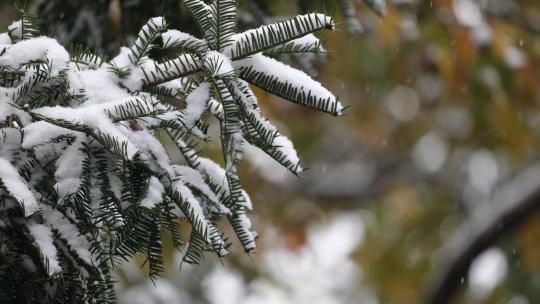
(511, 204)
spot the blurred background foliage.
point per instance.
(444, 102)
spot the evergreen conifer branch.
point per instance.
(85, 181)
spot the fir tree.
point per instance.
(85, 179)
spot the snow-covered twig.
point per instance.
(511, 204)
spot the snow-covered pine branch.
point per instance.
(85, 180)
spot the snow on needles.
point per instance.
(218, 64)
(41, 132)
(295, 28)
(154, 194)
(71, 234)
(68, 169)
(34, 49)
(196, 104)
(95, 117)
(43, 237)
(297, 79)
(98, 138)
(285, 145)
(175, 38)
(17, 188)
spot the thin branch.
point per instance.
(511, 204)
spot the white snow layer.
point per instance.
(192, 177)
(35, 49)
(218, 63)
(41, 132)
(308, 41)
(70, 233)
(173, 38)
(16, 28)
(296, 78)
(99, 86)
(154, 194)
(15, 185)
(43, 237)
(285, 146)
(4, 39)
(196, 104)
(95, 117)
(196, 215)
(69, 169)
